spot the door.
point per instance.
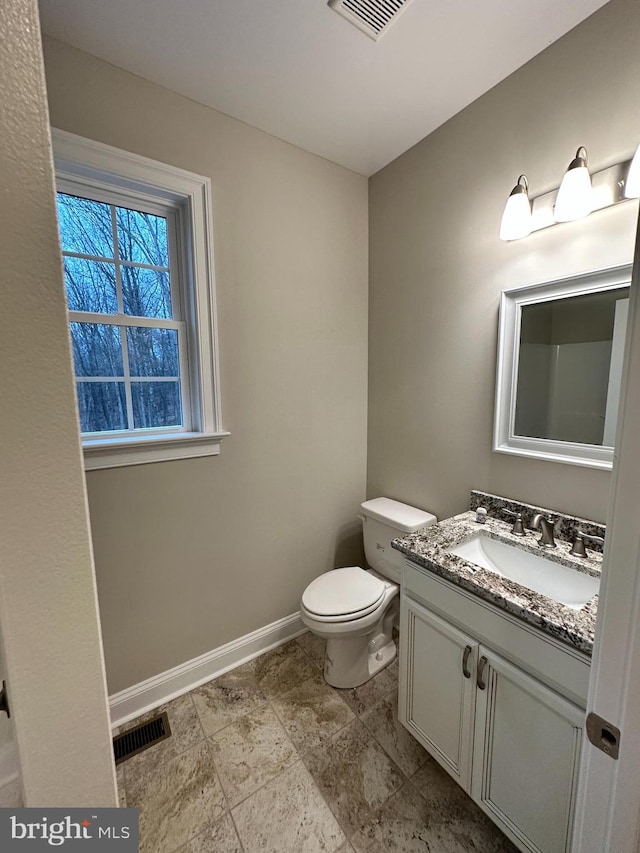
(49, 624)
(608, 815)
(526, 752)
(437, 688)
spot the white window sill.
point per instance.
(120, 452)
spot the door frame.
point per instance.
(608, 812)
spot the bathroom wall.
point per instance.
(50, 647)
(193, 554)
(437, 267)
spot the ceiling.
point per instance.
(299, 71)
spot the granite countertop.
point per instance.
(428, 548)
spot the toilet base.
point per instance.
(357, 650)
(345, 666)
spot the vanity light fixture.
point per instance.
(579, 194)
(632, 184)
(575, 199)
(516, 219)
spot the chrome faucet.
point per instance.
(545, 525)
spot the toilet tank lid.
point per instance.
(405, 518)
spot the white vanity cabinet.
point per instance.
(436, 699)
(527, 745)
(503, 730)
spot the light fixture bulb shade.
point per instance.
(632, 184)
(516, 219)
(575, 196)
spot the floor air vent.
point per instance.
(373, 17)
(141, 737)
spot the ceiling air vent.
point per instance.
(373, 17)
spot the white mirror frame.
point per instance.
(511, 303)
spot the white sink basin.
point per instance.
(565, 585)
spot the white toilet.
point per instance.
(355, 610)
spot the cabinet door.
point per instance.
(436, 698)
(526, 754)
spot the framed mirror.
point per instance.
(560, 354)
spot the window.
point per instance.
(126, 333)
(138, 279)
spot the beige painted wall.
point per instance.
(437, 267)
(193, 554)
(49, 628)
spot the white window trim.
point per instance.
(93, 163)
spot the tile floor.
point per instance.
(269, 758)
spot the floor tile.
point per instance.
(288, 815)
(355, 776)
(229, 697)
(401, 826)
(177, 803)
(440, 791)
(382, 721)
(259, 719)
(466, 821)
(186, 732)
(220, 837)
(363, 698)
(313, 646)
(284, 668)
(311, 712)
(408, 824)
(249, 753)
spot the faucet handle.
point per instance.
(577, 548)
(518, 527)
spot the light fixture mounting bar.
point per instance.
(608, 189)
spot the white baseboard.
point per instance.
(149, 694)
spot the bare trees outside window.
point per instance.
(126, 330)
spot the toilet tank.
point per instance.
(384, 519)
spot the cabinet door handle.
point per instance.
(465, 661)
(481, 665)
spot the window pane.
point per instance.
(102, 406)
(156, 404)
(152, 352)
(85, 226)
(91, 286)
(97, 349)
(146, 293)
(142, 237)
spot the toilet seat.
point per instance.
(343, 595)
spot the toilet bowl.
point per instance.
(355, 609)
(357, 626)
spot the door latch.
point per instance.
(603, 735)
